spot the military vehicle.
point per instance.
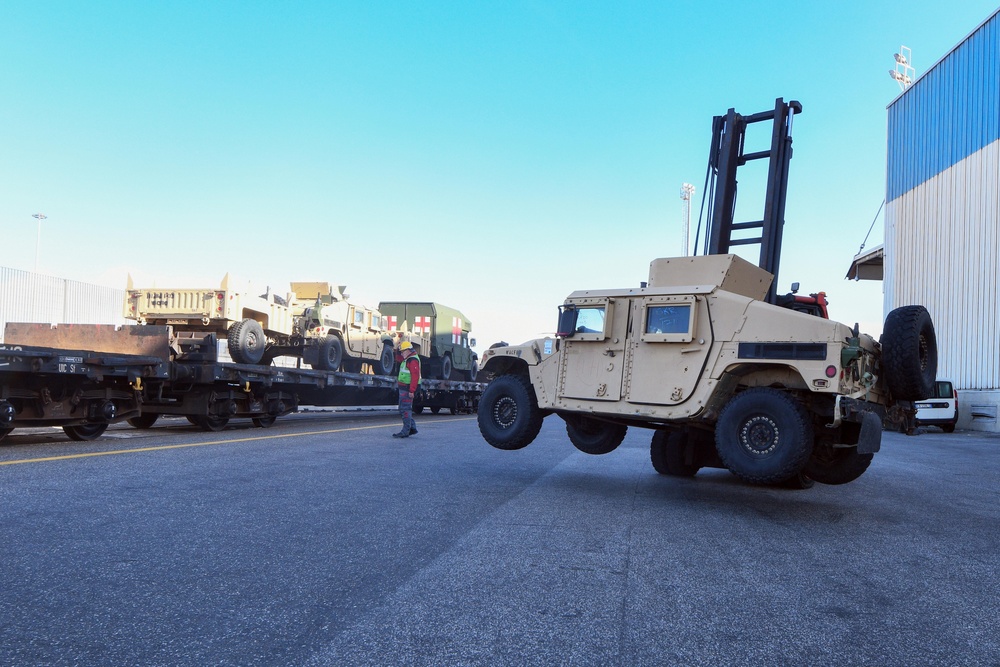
(725, 372)
(315, 322)
(450, 351)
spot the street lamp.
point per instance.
(38, 237)
(687, 190)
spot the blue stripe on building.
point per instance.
(948, 114)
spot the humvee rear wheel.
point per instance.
(909, 353)
(144, 421)
(837, 465)
(84, 432)
(446, 367)
(764, 436)
(667, 453)
(593, 436)
(508, 415)
(246, 342)
(210, 422)
(331, 354)
(386, 361)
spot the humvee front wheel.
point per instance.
(593, 436)
(667, 452)
(764, 436)
(509, 416)
(386, 361)
(331, 354)
(246, 342)
(83, 432)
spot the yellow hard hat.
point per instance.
(405, 345)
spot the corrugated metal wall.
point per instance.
(942, 236)
(33, 297)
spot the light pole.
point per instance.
(686, 191)
(38, 237)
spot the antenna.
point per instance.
(686, 191)
(903, 72)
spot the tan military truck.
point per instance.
(315, 322)
(721, 377)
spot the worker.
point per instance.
(408, 381)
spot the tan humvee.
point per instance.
(724, 378)
(315, 322)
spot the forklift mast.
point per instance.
(726, 157)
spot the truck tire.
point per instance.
(84, 432)
(144, 421)
(909, 353)
(593, 436)
(331, 354)
(508, 415)
(836, 465)
(246, 342)
(446, 367)
(386, 361)
(473, 371)
(764, 436)
(667, 454)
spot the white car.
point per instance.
(941, 409)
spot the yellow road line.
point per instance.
(205, 444)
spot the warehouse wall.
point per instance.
(942, 243)
(33, 297)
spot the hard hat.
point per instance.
(405, 345)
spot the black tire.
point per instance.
(473, 371)
(909, 353)
(84, 432)
(144, 421)
(446, 367)
(246, 342)
(331, 354)
(764, 436)
(948, 428)
(211, 422)
(593, 436)
(436, 409)
(386, 361)
(837, 465)
(667, 453)
(508, 415)
(264, 422)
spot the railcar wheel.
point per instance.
(144, 421)
(83, 432)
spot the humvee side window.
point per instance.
(359, 318)
(590, 320)
(668, 319)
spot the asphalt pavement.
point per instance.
(324, 541)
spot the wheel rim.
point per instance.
(505, 412)
(759, 435)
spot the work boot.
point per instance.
(401, 434)
(413, 431)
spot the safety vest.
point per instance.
(404, 370)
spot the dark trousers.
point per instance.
(406, 409)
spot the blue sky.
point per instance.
(490, 156)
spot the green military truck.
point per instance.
(449, 355)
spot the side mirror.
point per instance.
(795, 288)
(567, 321)
(472, 342)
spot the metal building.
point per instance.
(942, 220)
(33, 297)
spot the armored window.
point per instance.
(359, 318)
(669, 319)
